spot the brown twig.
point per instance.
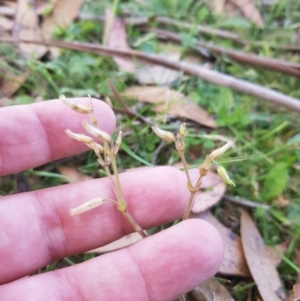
(125, 110)
(214, 77)
(207, 30)
(245, 202)
(248, 58)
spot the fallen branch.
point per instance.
(245, 202)
(220, 33)
(189, 69)
(252, 59)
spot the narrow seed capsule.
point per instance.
(79, 137)
(87, 206)
(118, 142)
(164, 135)
(77, 107)
(96, 132)
(220, 151)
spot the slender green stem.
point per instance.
(134, 224)
(186, 170)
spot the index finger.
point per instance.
(32, 135)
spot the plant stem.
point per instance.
(193, 190)
(182, 298)
(134, 224)
(117, 179)
(109, 175)
(122, 205)
(182, 157)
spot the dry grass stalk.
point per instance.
(106, 153)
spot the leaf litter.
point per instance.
(171, 102)
(260, 265)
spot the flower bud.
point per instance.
(182, 129)
(224, 175)
(164, 135)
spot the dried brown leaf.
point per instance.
(250, 11)
(272, 252)
(114, 36)
(72, 175)
(10, 84)
(218, 6)
(157, 74)
(206, 199)
(210, 290)
(27, 27)
(234, 262)
(171, 102)
(64, 12)
(261, 267)
(123, 242)
(6, 24)
(297, 284)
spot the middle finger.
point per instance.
(38, 229)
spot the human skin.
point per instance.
(37, 229)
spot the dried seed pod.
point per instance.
(77, 107)
(164, 135)
(79, 137)
(118, 142)
(96, 132)
(87, 206)
(220, 151)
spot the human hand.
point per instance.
(37, 229)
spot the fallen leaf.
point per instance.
(250, 11)
(160, 75)
(211, 290)
(11, 83)
(297, 284)
(72, 175)
(114, 36)
(123, 242)
(63, 13)
(171, 102)
(6, 24)
(234, 262)
(218, 6)
(27, 27)
(272, 252)
(156, 74)
(261, 267)
(44, 7)
(206, 199)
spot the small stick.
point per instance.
(245, 202)
(214, 77)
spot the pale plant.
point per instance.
(106, 151)
(203, 168)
